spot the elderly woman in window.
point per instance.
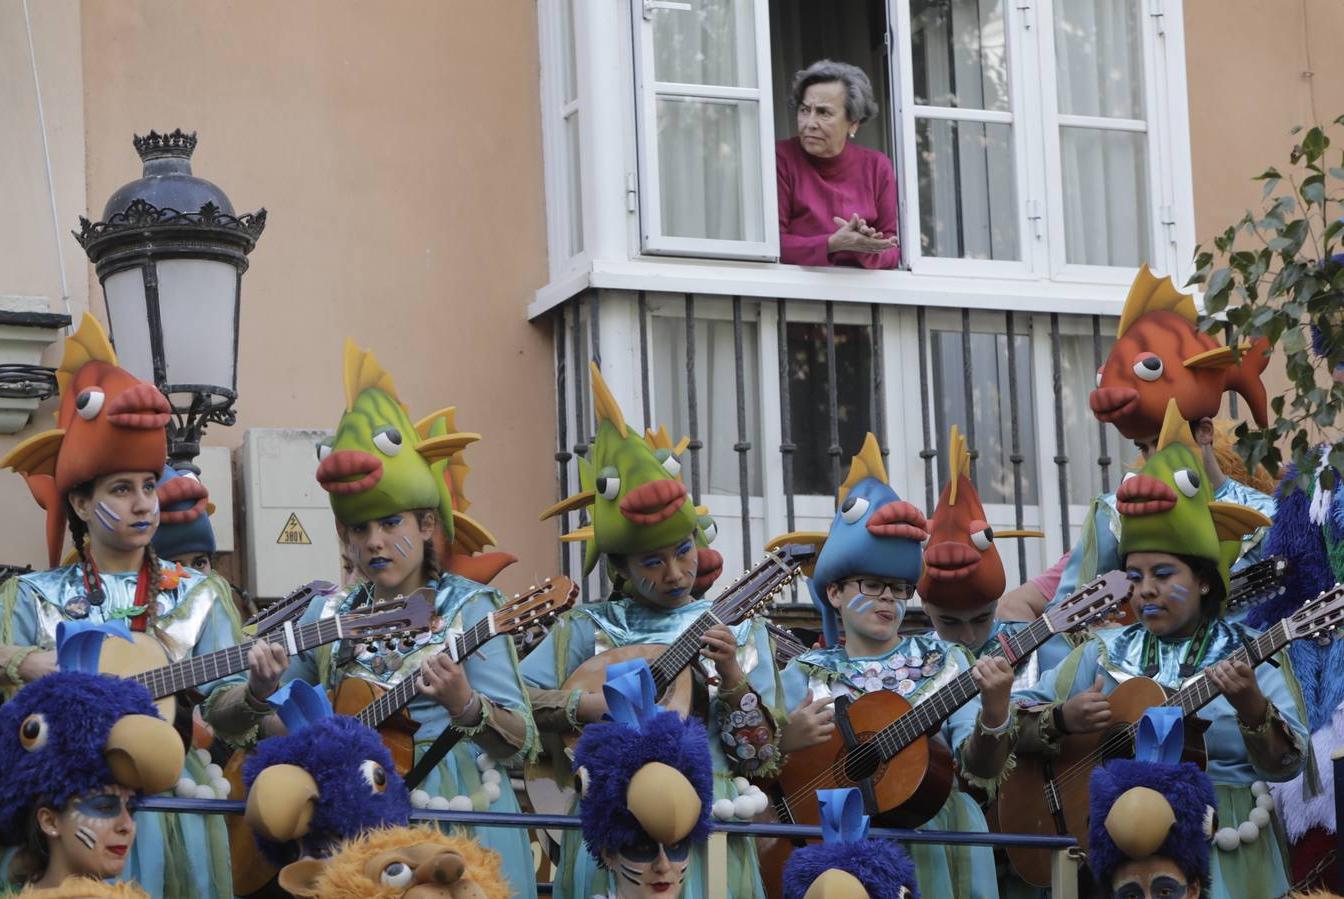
(837, 199)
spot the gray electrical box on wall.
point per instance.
(291, 535)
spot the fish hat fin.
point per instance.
(867, 464)
(37, 455)
(660, 439)
(1218, 357)
(958, 462)
(443, 447)
(569, 504)
(1175, 429)
(88, 344)
(424, 426)
(583, 533)
(605, 406)
(1149, 293)
(1233, 521)
(363, 371)
(469, 535)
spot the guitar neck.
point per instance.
(674, 660)
(1200, 691)
(400, 696)
(932, 712)
(203, 669)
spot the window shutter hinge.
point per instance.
(1024, 7)
(631, 191)
(651, 5)
(1034, 216)
(1167, 215)
(1156, 9)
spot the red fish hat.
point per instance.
(108, 421)
(962, 567)
(1160, 354)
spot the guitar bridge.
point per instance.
(1052, 802)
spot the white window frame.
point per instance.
(647, 92)
(562, 204)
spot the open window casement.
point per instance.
(705, 129)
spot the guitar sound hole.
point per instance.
(1117, 742)
(863, 761)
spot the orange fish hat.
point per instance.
(1160, 354)
(962, 567)
(108, 421)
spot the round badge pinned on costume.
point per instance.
(77, 607)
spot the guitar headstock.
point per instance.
(763, 582)
(292, 604)
(405, 614)
(1318, 618)
(1257, 582)
(536, 606)
(1097, 599)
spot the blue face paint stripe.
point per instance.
(102, 519)
(1180, 592)
(630, 874)
(107, 510)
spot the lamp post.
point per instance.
(171, 254)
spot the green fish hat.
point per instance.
(1168, 506)
(380, 462)
(633, 494)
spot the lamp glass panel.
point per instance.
(197, 298)
(125, 296)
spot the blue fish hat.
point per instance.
(184, 515)
(875, 532)
(643, 771)
(76, 731)
(1152, 805)
(329, 779)
(847, 864)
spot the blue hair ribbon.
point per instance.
(842, 817)
(630, 694)
(79, 644)
(298, 704)
(1161, 736)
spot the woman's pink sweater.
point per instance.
(813, 191)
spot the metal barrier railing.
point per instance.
(1064, 867)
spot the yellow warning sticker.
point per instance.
(293, 533)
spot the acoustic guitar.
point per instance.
(287, 608)
(378, 707)
(549, 783)
(1051, 796)
(787, 646)
(144, 660)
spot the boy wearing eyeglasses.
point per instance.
(864, 577)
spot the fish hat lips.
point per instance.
(184, 516)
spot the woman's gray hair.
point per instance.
(860, 104)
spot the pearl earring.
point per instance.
(1204, 590)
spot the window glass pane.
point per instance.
(569, 82)
(714, 43)
(709, 165)
(574, 185)
(992, 409)
(967, 198)
(809, 403)
(716, 397)
(1105, 226)
(959, 53)
(1099, 58)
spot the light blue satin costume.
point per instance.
(589, 629)
(966, 872)
(1098, 551)
(173, 855)
(1255, 870)
(493, 673)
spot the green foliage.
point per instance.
(1278, 275)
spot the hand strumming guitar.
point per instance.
(266, 664)
(721, 649)
(36, 664)
(1236, 680)
(994, 676)
(444, 681)
(592, 706)
(811, 724)
(1088, 712)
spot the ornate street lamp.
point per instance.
(170, 254)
